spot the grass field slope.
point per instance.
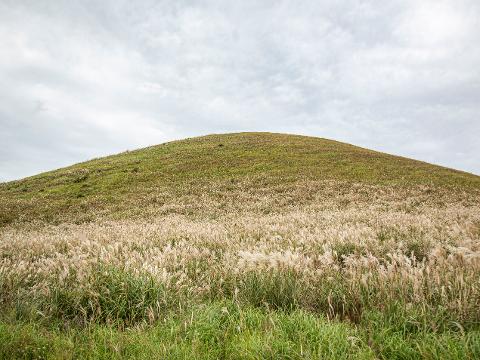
(242, 246)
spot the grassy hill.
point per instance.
(116, 185)
(242, 246)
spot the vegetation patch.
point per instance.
(268, 247)
(109, 296)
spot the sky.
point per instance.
(83, 79)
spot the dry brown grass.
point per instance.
(347, 247)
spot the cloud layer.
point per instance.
(84, 79)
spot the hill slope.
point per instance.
(242, 246)
(153, 176)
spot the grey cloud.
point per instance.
(84, 79)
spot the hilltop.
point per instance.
(124, 185)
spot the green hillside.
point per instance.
(115, 184)
(241, 246)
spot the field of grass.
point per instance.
(242, 246)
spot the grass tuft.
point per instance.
(112, 297)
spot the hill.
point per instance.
(242, 246)
(130, 183)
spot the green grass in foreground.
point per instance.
(129, 317)
(224, 330)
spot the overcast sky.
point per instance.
(82, 79)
